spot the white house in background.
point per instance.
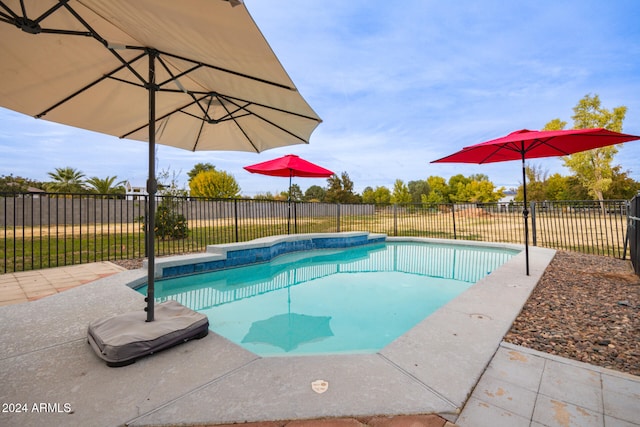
(509, 195)
(505, 203)
(135, 193)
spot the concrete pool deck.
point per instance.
(433, 368)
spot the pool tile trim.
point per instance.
(218, 257)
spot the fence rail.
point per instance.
(48, 230)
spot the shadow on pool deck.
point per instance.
(45, 358)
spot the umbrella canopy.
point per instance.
(532, 144)
(85, 63)
(194, 74)
(288, 166)
(528, 144)
(289, 330)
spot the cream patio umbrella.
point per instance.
(194, 74)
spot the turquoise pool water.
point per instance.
(332, 301)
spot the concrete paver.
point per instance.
(23, 286)
(554, 392)
(621, 398)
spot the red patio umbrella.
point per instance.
(529, 144)
(289, 165)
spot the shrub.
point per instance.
(169, 224)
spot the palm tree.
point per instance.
(106, 185)
(66, 180)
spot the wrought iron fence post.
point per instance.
(395, 219)
(453, 215)
(633, 232)
(295, 217)
(533, 223)
(629, 225)
(235, 215)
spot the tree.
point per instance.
(379, 196)
(593, 167)
(368, 195)
(214, 184)
(315, 193)
(401, 194)
(557, 188)
(536, 183)
(66, 180)
(456, 182)
(439, 191)
(622, 186)
(473, 189)
(106, 185)
(418, 189)
(296, 193)
(555, 124)
(479, 192)
(264, 196)
(341, 189)
(200, 167)
(575, 189)
(18, 184)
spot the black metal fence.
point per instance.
(633, 233)
(48, 230)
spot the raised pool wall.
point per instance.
(218, 257)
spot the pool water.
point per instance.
(354, 300)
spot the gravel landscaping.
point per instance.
(585, 308)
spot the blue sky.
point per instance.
(397, 84)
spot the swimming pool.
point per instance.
(331, 301)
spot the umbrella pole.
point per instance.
(289, 204)
(151, 189)
(525, 214)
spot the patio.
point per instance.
(434, 368)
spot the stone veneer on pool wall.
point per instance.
(259, 250)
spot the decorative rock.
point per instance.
(580, 310)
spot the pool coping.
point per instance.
(430, 369)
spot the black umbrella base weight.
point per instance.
(122, 339)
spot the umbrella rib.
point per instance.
(260, 117)
(195, 100)
(231, 99)
(174, 78)
(240, 127)
(105, 43)
(183, 89)
(228, 98)
(505, 146)
(95, 82)
(46, 14)
(10, 13)
(228, 116)
(33, 25)
(553, 147)
(195, 145)
(206, 112)
(225, 70)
